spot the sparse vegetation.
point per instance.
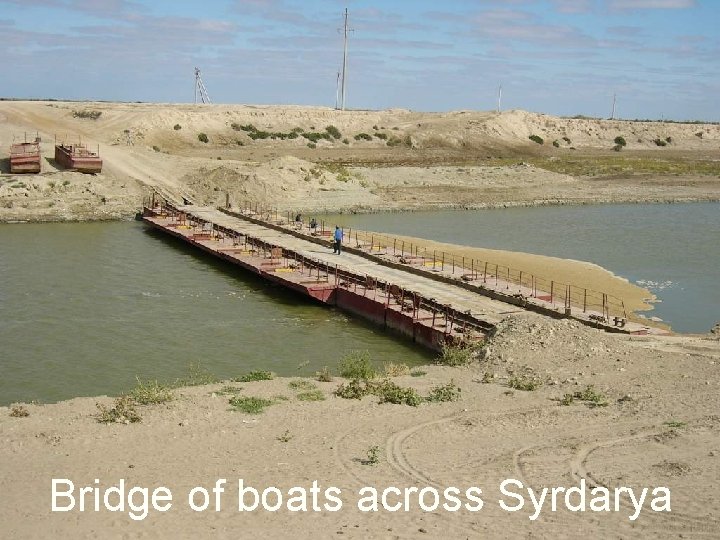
(445, 392)
(177, 127)
(660, 142)
(524, 383)
(373, 456)
(88, 114)
(150, 392)
(302, 384)
(591, 397)
(418, 373)
(363, 137)
(312, 145)
(203, 138)
(537, 139)
(357, 365)
(285, 437)
(312, 395)
(156, 148)
(324, 375)
(395, 370)
(250, 404)
(454, 355)
(196, 375)
(19, 411)
(556, 144)
(122, 412)
(674, 424)
(258, 375)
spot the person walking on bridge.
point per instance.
(338, 236)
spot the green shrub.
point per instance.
(357, 365)
(177, 127)
(249, 404)
(591, 397)
(333, 132)
(445, 392)
(456, 355)
(389, 392)
(620, 141)
(536, 138)
(156, 148)
(660, 142)
(202, 137)
(556, 144)
(312, 395)
(381, 136)
(258, 375)
(354, 389)
(363, 137)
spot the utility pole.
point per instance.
(200, 88)
(612, 115)
(499, 97)
(337, 91)
(344, 66)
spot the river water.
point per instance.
(671, 249)
(87, 307)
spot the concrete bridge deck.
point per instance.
(487, 309)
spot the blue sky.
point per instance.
(562, 57)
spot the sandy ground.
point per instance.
(659, 428)
(383, 160)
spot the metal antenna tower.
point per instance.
(200, 88)
(344, 66)
(612, 115)
(499, 97)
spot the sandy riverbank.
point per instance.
(578, 273)
(658, 427)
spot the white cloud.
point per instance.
(625, 5)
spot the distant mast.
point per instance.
(612, 114)
(499, 98)
(200, 88)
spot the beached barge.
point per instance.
(25, 157)
(424, 320)
(77, 157)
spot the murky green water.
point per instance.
(672, 249)
(85, 308)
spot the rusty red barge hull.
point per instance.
(25, 158)
(421, 319)
(78, 158)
